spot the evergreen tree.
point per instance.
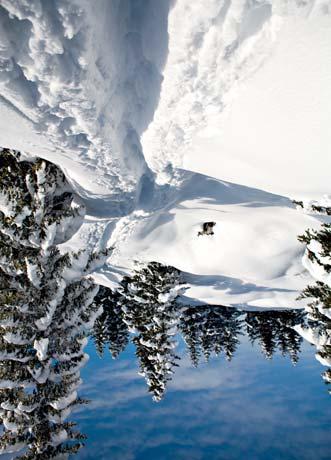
(210, 329)
(318, 327)
(319, 246)
(288, 340)
(150, 310)
(260, 327)
(221, 329)
(317, 330)
(273, 330)
(313, 207)
(191, 326)
(216, 329)
(46, 309)
(109, 328)
(319, 307)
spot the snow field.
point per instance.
(246, 95)
(253, 258)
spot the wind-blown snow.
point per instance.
(123, 93)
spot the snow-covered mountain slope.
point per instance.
(87, 78)
(122, 94)
(246, 95)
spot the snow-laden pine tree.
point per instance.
(210, 329)
(191, 321)
(46, 309)
(109, 328)
(288, 340)
(317, 330)
(318, 261)
(260, 328)
(318, 250)
(273, 330)
(220, 332)
(148, 301)
(216, 329)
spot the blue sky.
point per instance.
(220, 410)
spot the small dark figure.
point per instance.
(207, 228)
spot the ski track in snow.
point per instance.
(96, 90)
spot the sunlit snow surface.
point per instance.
(246, 94)
(121, 94)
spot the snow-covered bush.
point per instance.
(47, 308)
(37, 207)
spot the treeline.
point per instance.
(146, 312)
